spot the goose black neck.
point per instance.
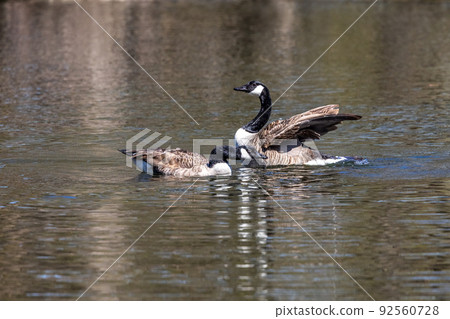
(255, 125)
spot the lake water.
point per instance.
(70, 97)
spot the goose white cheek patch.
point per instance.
(222, 169)
(257, 90)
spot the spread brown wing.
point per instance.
(171, 158)
(309, 125)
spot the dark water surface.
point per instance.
(69, 97)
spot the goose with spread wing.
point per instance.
(182, 163)
(282, 141)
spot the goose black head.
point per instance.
(218, 159)
(224, 153)
(220, 154)
(252, 87)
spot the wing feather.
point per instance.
(308, 125)
(171, 158)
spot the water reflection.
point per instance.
(257, 221)
(254, 229)
(250, 225)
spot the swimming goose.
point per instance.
(183, 163)
(308, 125)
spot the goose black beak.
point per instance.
(242, 88)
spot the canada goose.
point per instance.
(183, 163)
(308, 125)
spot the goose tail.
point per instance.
(132, 153)
(140, 163)
(124, 151)
(328, 160)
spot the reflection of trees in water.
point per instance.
(57, 47)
